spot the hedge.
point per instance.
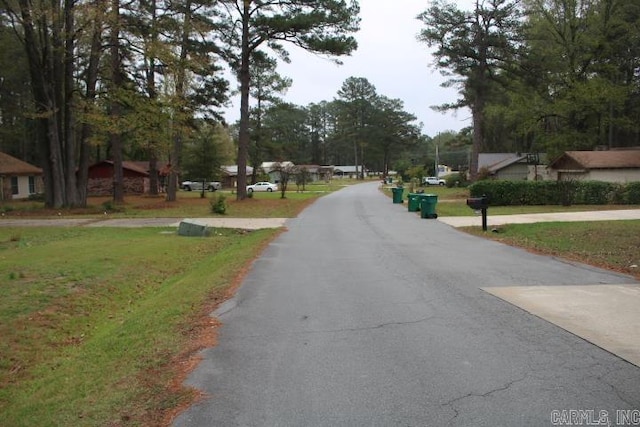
(509, 193)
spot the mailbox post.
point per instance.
(480, 204)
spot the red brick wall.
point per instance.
(104, 186)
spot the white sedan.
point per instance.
(262, 186)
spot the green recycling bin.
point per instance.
(413, 202)
(397, 194)
(428, 206)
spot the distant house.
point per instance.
(349, 171)
(609, 166)
(273, 169)
(513, 166)
(100, 182)
(230, 175)
(317, 172)
(18, 179)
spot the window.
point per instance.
(14, 185)
(32, 185)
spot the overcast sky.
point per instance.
(389, 56)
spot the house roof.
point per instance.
(347, 169)
(316, 168)
(614, 159)
(506, 162)
(232, 170)
(269, 166)
(9, 165)
(129, 165)
(486, 160)
(497, 161)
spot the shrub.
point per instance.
(456, 180)
(36, 197)
(631, 193)
(594, 192)
(505, 193)
(110, 206)
(219, 205)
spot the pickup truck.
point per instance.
(197, 185)
(432, 180)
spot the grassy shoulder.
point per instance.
(611, 245)
(189, 204)
(98, 324)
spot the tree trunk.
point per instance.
(43, 85)
(116, 111)
(176, 152)
(68, 96)
(245, 80)
(90, 95)
(477, 112)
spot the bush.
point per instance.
(456, 180)
(506, 193)
(594, 192)
(631, 193)
(110, 206)
(219, 205)
(36, 197)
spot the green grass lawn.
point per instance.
(190, 204)
(609, 244)
(95, 322)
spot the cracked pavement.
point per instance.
(361, 314)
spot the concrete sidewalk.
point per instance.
(258, 223)
(217, 222)
(494, 220)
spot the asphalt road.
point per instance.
(363, 314)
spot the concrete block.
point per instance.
(190, 228)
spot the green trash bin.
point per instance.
(413, 200)
(428, 206)
(397, 194)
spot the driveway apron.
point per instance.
(364, 314)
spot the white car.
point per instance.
(197, 185)
(262, 186)
(433, 180)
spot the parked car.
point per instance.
(433, 180)
(262, 186)
(197, 185)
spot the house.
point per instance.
(230, 175)
(609, 166)
(317, 172)
(100, 178)
(513, 166)
(18, 179)
(273, 169)
(349, 171)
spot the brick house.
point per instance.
(100, 182)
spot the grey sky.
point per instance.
(389, 56)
